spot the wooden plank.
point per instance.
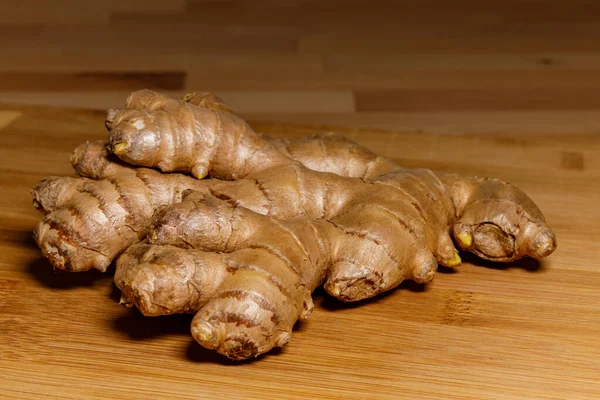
(380, 62)
(298, 102)
(507, 89)
(524, 331)
(512, 123)
(108, 41)
(91, 81)
(90, 100)
(442, 100)
(59, 12)
(143, 7)
(410, 43)
(221, 67)
(290, 101)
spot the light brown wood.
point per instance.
(460, 66)
(528, 330)
(519, 78)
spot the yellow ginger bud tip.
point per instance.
(465, 239)
(188, 97)
(454, 261)
(336, 291)
(119, 148)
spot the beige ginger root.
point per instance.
(369, 245)
(246, 253)
(89, 222)
(77, 219)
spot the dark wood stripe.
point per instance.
(91, 81)
(431, 100)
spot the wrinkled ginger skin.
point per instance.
(376, 234)
(88, 223)
(93, 160)
(330, 152)
(494, 219)
(497, 221)
(267, 285)
(384, 231)
(176, 136)
(244, 253)
(60, 235)
(168, 280)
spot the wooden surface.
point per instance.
(525, 73)
(527, 330)
(460, 66)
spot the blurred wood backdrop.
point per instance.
(461, 66)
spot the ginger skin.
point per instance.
(89, 222)
(176, 136)
(245, 251)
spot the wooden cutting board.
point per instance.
(528, 330)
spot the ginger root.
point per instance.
(245, 249)
(89, 222)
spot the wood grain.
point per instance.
(525, 66)
(527, 330)
(91, 81)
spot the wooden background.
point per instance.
(518, 79)
(528, 330)
(475, 66)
